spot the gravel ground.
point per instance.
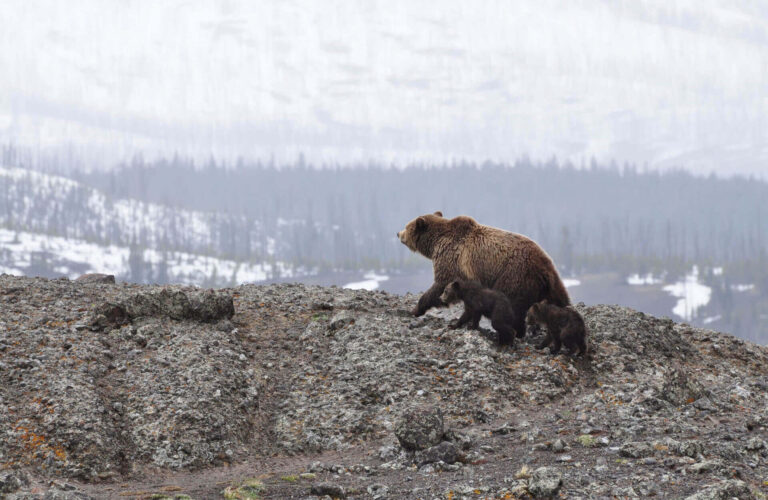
(292, 391)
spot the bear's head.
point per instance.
(451, 293)
(534, 314)
(419, 235)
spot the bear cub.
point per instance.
(564, 326)
(480, 301)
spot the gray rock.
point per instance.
(206, 306)
(462, 439)
(57, 494)
(329, 489)
(446, 452)
(545, 482)
(419, 428)
(755, 444)
(11, 482)
(725, 490)
(680, 388)
(109, 314)
(706, 466)
(341, 319)
(558, 446)
(96, 278)
(167, 302)
(692, 448)
(211, 306)
(636, 449)
(155, 392)
(387, 453)
(378, 490)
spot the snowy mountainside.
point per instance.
(59, 206)
(55, 226)
(35, 254)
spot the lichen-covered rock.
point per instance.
(756, 444)
(419, 428)
(174, 304)
(444, 452)
(636, 450)
(152, 383)
(169, 302)
(97, 278)
(340, 320)
(724, 490)
(172, 380)
(545, 482)
(332, 490)
(11, 482)
(211, 306)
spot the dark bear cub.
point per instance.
(478, 302)
(564, 326)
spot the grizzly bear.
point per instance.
(564, 326)
(478, 302)
(462, 249)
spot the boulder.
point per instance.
(420, 428)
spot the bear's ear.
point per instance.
(439, 213)
(421, 224)
(456, 285)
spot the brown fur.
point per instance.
(462, 249)
(564, 326)
(478, 302)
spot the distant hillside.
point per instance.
(54, 226)
(590, 218)
(170, 221)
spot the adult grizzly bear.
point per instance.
(462, 249)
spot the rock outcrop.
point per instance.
(102, 384)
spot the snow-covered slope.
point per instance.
(23, 253)
(44, 203)
(670, 83)
(55, 226)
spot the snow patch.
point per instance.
(648, 279)
(371, 282)
(571, 282)
(742, 287)
(711, 319)
(71, 258)
(691, 295)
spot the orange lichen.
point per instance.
(33, 442)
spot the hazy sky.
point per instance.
(670, 83)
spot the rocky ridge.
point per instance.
(346, 394)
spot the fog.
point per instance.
(393, 81)
(222, 142)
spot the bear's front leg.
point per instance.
(463, 320)
(546, 342)
(430, 299)
(555, 347)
